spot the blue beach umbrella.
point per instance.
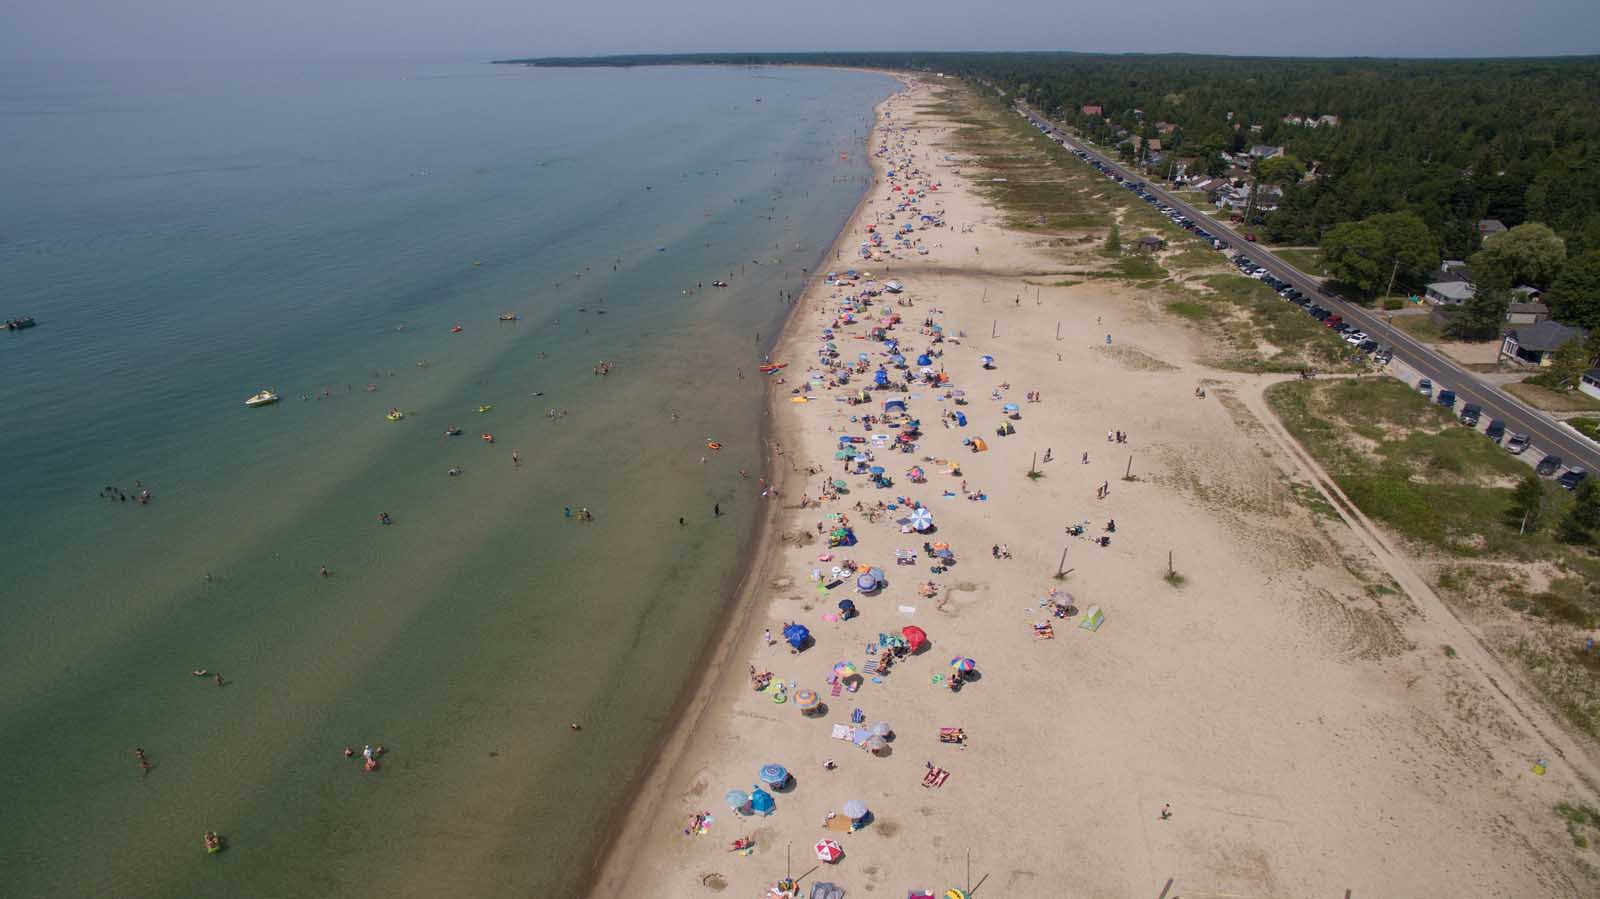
(1010, 407)
(776, 775)
(796, 635)
(761, 802)
(924, 359)
(866, 582)
(737, 800)
(876, 469)
(847, 608)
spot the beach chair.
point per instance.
(1044, 630)
(838, 687)
(935, 777)
(952, 735)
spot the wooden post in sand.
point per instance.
(1169, 562)
(1129, 473)
(1034, 465)
(994, 328)
(1061, 569)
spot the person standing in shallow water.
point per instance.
(716, 510)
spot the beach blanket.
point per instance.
(842, 731)
(1044, 630)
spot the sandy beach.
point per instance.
(1258, 722)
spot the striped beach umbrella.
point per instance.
(829, 851)
(963, 665)
(737, 800)
(845, 669)
(774, 775)
(807, 700)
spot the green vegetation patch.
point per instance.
(1262, 333)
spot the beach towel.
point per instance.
(839, 823)
(1044, 631)
(842, 731)
(838, 687)
(869, 667)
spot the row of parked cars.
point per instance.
(1516, 444)
(1470, 413)
(1348, 332)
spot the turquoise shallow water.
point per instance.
(186, 235)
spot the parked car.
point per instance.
(1496, 430)
(1368, 346)
(1425, 387)
(1470, 413)
(1447, 398)
(1572, 478)
(1516, 444)
(1383, 356)
(1548, 466)
(1333, 321)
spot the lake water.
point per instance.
(187, 235)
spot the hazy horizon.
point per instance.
(465, 30)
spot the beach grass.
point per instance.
(1406, 463)
(1256, 331)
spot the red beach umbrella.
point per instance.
(915, 636)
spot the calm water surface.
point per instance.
(188, 235)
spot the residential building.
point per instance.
(1323, 121)
(1536, 344)
(1590, 382)
(1293, 120)
(1449, 293)
(1523, 293)
(1527, 313)
(1093, 110)
(1262, 151)
(1150, 244)
(1490, 227)
(1166, 127)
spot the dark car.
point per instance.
(1548, 466)
(1496, 430)
(1470, 413)
(1446, 398)
(1572, 478)
(1319, 313)
(1368, 346)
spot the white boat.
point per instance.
(264, 398)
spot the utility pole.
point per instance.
(1392, 275)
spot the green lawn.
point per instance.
(1553, 400)
(1419, 326)
(1308, 261)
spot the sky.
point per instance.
(464, 30)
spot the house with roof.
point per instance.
(1293, 120)
(1262, 151)
(1323, 121)
(1536, 344)
(1488, 228)
(1527, 313)
(1151, 244)
(1449, 293)
(1590, 382)
(1093, 110)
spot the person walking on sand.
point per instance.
(325, 572)
(1166, 811)
(716, 510)
(516, 459)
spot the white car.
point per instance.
(1355, 337)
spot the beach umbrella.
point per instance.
(845, 454)
(855, 810)
(954, 893)
(737, 800)
(839, 483)
(986, 360)
(876, 469)
(876, 572)
(847, 608)
(761, 801)
(796, 635)
(921, 518)
(916, 472)
(915, 636)
(881, 729)
(866, 582)
(829, 851)
(844, 669)
(807, 700)
(924, 359)
(1009, 407)
(776, 775)
(960, 393)
(876, 744)
(963, 665)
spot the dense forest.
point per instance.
(1447, 141)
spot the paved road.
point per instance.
(1547, 436)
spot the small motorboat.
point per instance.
(395, 415)
(262, 398)
(771, 367)
(484, 408)
(20, 322)
(213, 842)
(509, 316)
(452, 431)
(456, 329)
(488, 438)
